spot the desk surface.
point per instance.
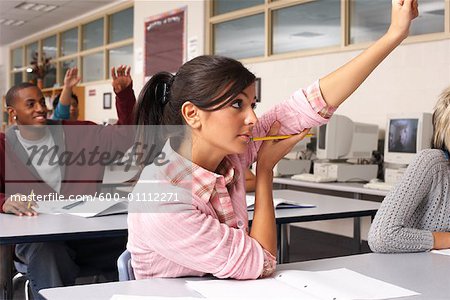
(62, 227)
(425, 273)
(25, 229)
(327, 207)
(352, 187)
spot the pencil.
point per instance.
(276, 137)
(29, 202)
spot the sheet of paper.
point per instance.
(342, 284)
(339, 284)
(133, 297)
(250, 199)
(442, 252)
(268, 288)
(86, 209)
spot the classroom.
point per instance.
(216, 145)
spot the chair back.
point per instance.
(124, 266)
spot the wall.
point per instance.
(409, 80)
(4, 58)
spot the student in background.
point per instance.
(415, 215)
(65, 105)
(205, 230)
(53, 264)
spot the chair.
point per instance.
(124, 267)
(21, 269)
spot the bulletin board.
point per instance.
(165, 42)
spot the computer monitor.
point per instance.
(407, 134)
(341, 138)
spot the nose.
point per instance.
(41, 107)
(251, 118)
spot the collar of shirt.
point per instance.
(182, 171)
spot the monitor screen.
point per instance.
(403, 135)
(322, 136)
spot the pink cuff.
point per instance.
(269, 266)
(318, 104)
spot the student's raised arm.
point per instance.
(122, 84)
(340, 84)
(71, 79)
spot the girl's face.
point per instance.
(229, 129)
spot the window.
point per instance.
(17, 58)
(307, 26)
(69, 42)
(93, 68)
(248, 43)
(65, 65)
(260, 29)
(49, 47)
(224, 6)
(93, 34)
(31, 52)
(81, 44)
(121, 25)
(121, 56)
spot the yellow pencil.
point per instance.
(31, 196)
(276, 137)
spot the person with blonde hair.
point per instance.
(415, 215)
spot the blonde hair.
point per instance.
(441, 121)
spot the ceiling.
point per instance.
(36, 21)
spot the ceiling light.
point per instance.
(9, 22)
(18, 23)
(25, 5)
(50, 8)
(36, 6)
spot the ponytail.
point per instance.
(150, 111)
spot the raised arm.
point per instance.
(340, 84)
(70, 80)
(125, 99)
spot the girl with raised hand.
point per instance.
(204, 229)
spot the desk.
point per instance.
(327, 208)
(63, 227)
(425, 273)
(355, 188)
(46, 228)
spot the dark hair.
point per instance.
(210, 82)
(56, 100)
(11, 94)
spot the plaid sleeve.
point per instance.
(269, 266)
(318, 104)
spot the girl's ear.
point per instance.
(190, 113)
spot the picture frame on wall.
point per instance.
(107, 100)
(258, 89)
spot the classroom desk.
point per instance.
(45, 228)
(356, 189)
(327, 208)
(425, 273)
(63, 227)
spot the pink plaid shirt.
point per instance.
(205, 229)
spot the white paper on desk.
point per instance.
(442, 252)
(134, 297)
(339, 284)
(342, 284)
(268, 288)
(90, 208)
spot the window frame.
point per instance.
(80, 52)
(271, 5)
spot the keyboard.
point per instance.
(379, 186)
(313, 178)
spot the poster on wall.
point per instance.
(164, 42)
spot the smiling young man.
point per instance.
(23, 173)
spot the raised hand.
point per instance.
(121, 79)
(71, 79)
(403, 12)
